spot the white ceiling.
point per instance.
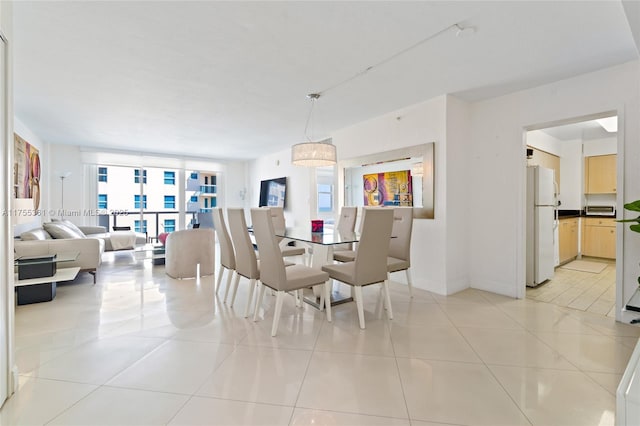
(228, 79)
(585, 130)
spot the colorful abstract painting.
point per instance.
(388, 189)
(26, 171)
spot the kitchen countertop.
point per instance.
(568, 214)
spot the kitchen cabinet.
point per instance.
(599, 237)
(568, 239)
(600, 174)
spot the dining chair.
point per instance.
(274, 274)
(399, 258)
(246, 260)
(277, 217)
(346, 224)
(227, 255)
(370, 264)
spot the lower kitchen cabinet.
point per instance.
(599, 237)
(568, 239)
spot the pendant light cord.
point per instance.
(313, 97)
(389, 59)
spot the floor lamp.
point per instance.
(63, 176)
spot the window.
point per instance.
(102, 174)
(169, 201)
(194, 199)
(136, 176)
(136, 202)
(169, 225)
(169, 178)
(102, 201)
(137, 226)
(206, 203)
(194, 175)
(325, 198)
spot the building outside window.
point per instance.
(169, 225)
(194, 175)
(169, 178)
(136, 201)
(325, 198)
(102, 174)
(194, 199)
(102, 201)
(136, 176)
(169, 201)
(137, 226)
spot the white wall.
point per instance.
(497, 190)
(460, 214)
(572, 175)
(604, 146)
(411, 126)
(544, 142)
(299, 186)
(235, 185)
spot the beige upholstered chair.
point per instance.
(246, 260)
(277, 216)
(227, 255)
(274, 274)
(370, 264)
(187, 249)
(400, 246)
(346, 224)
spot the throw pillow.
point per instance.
(38, 234)
(70, 225)
(60, 230)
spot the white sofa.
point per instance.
(62, 236)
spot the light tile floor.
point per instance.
(139, 348)
(584, 291)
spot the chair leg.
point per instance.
(226, 290)
(220, 272)
(406, 271)
(359, 304)
(276, 313)
(327, 298)
(235, 289)
(322, 293)
(252, 286)
(259, 301)
(387, 298)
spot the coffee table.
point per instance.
(43, 289)
(155, 252)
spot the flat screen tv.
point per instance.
(273, 192)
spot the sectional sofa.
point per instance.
(64, 236)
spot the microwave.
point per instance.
(600, 211)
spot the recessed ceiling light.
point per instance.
(610, 124)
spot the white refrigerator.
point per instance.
(541, 223)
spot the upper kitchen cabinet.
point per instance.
(600, 174)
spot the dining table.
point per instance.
(322, 244)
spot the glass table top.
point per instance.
(67, 256)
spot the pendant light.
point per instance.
(313, 154)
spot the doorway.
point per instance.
(583, 156)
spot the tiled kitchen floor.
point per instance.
(141, 348)
(584, 291)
